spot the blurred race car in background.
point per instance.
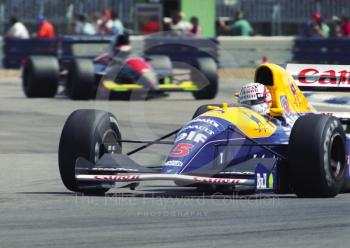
(293, 150)
(119, 74)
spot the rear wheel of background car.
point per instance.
(81, 80)
(316, 156)
(203, 109)
(40, 76)
(87, 133)
(205, 75)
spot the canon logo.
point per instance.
(328, 77)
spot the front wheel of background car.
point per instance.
(40, 76)
(205, 75)
(87, 133)
(316, 156)
(81, 79)
(203, 109)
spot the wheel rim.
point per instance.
(110, 144)
(337, 157)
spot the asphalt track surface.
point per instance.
(37, 211)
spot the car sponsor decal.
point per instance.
(199, 128)
(264, 178)
(217, 180)
(207, 121)
(116, 177)
(285, 105)
(175, 163)
(181, 150)
(192, 136)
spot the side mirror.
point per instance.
(276, 111)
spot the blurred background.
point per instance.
(268, 17)
(278, 31)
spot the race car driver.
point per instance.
(256, 97)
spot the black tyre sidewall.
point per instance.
(82, 130)
(40, 76)
(81, 80)
(205, 74)
(309, 156)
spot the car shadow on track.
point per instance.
(180, 193)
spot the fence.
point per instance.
(287, 13)
(62, 12)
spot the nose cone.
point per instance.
(191, 145)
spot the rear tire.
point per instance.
(40, 76)
(81, 80)
(316, 156)
(86, 134)
(205, 75)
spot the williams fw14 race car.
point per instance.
(121, 76)
(292, 150)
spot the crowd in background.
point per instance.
(316, 27)
(108, 23)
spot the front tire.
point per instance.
(205, 75)
(87, 133)
(40, 76)
(316, 156)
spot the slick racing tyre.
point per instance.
(205, 75)
(87, 133)
(40, 76)
(81, 80)
(203, 109)
(316, 156)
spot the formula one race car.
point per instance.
(123, 75)
(294, 150)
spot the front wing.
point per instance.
(185, 86)
(119, 170)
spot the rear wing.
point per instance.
(311, 77)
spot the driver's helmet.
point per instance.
(256, 97)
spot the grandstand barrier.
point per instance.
(15, 51)
(230, 51)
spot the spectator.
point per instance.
(46, 29)
(17, 29)
(195, 29)
(240, 26)
(97, 22)
(84, 27)
(114, 25)
(336, 30)
(319, 29)
(345, 26)
(152, 26)
(179, 24)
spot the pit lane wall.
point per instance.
(249, 52)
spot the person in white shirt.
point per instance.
(84, 27)
(179, 25)
(17, 30)
(115, 26)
